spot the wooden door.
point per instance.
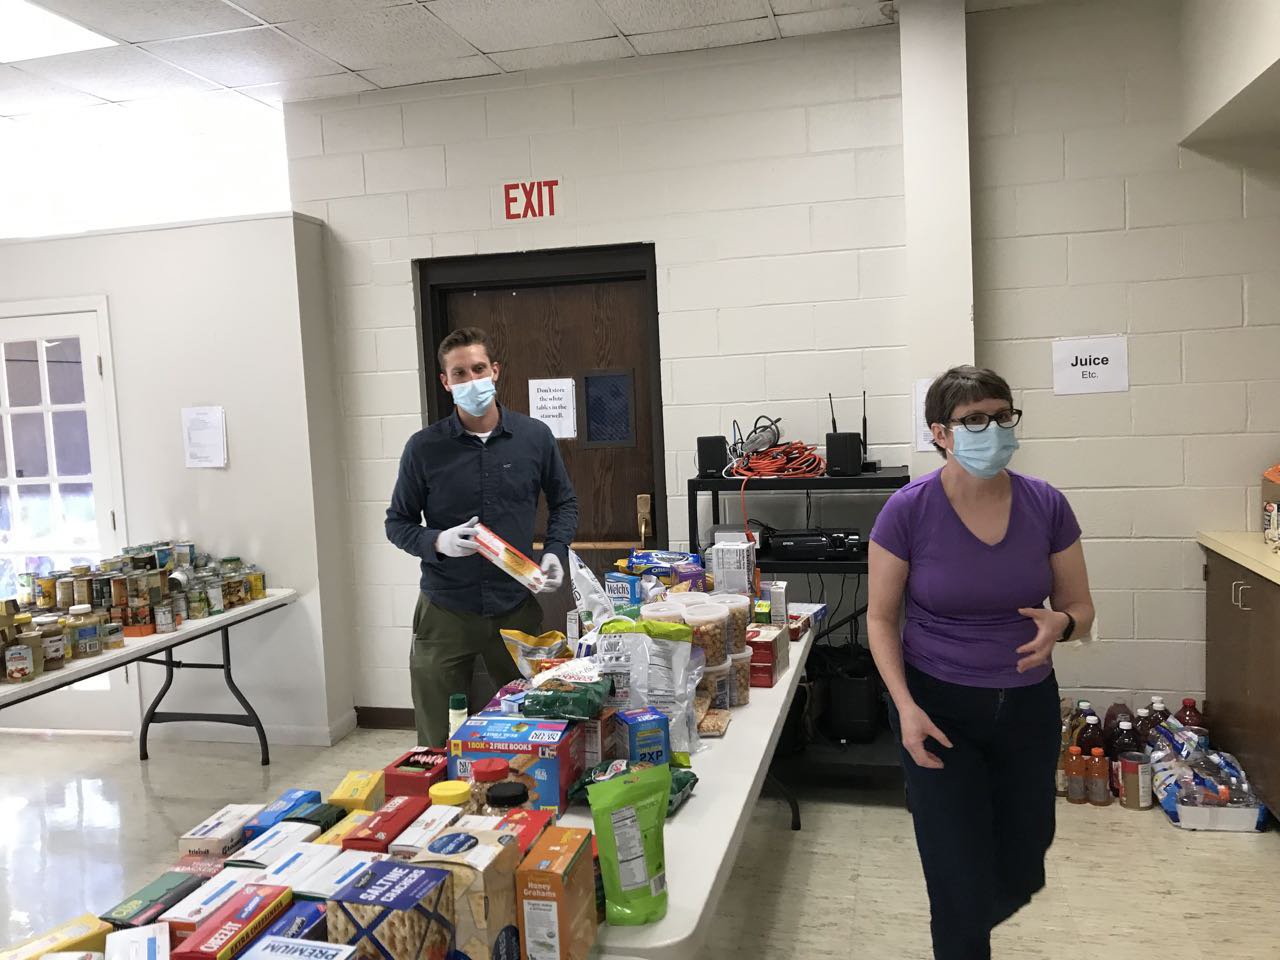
(599, 335)
(1227, 655)
(1260, 600)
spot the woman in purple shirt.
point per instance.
(975, 550)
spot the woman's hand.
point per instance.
(1050, 625)
(915, 726)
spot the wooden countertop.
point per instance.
(1246, 549)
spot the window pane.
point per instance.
(6, 517)
(43, 565)
(30, 455)
(608, 403)
(71, 443)
(66, 375)
(33, 510)
(22, 370)
(8, 578)
(4, 457)
(77, 502)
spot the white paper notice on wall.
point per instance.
(923, 435)
(552, 402)
(204, 436)
(1091, 365)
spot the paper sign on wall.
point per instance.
(552, 402)
(923, 435)
(1091, 365)
(204, 436)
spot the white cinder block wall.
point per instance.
(1088, 218)
(769, 177)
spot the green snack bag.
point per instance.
(629, 811)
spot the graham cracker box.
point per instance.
(391, 820)
(235, 924)
(302, 861)
(86, 933)
(345, 826)
(285, 804)
(597, 738)
(184, 916)
(285, 948)
(508, 559)
(527, 825)
(325, 816)
(273, 846)
(336, 874)
(221, 833)
(547, 756)
(139, 943)
(146, 905)
(303, 920)
(415, 837)
(556, 897)
(483, 865)
(395, 911)
(359, 790)
(413, 774)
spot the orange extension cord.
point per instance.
(795, 459)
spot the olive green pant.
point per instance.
(445, 646)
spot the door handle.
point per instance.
(1240, 602)
(1235, 592)
(644, 516)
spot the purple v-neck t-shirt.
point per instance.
(963, 595)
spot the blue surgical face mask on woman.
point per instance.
(474, 396)
(984, 454)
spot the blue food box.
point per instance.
(289, 802)
(642, 734)
(388, 896)
(622, 588)
(302, 921)
(547, 756)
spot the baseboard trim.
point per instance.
(385, 718)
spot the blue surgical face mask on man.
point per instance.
(474, 397)
(984, 454)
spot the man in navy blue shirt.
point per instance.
(482, 464)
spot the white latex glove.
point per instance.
(459, 541)
(553, 570)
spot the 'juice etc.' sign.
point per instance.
(1091, 365)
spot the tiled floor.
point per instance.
(82, 823)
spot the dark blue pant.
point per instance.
(985, 821)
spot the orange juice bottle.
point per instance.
(1098, 778)
(1076, 789)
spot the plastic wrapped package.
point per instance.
(710, 624)
(739, 618)
(593, 603)
(526, 649)
(662, 676)
(629, 810)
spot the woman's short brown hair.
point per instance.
(961, 385)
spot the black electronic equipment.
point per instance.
(846, 452)
(814, 544)
(713, 456)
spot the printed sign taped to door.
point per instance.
(552, 402)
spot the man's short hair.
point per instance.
(465, 337)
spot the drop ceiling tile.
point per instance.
(655, 16)
(808, 6)
(430, 72)
(308, 88)
(700, 38)
(563, 54)
(380, 38)
(282, 11)
(245, 57)
(828, 21)
(517, 24)
(140, 20)
(22, 93)
(114, 73)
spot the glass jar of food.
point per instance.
(197, 603)
(505, 797)
(232, 592)
(162, 614)
(82, 631)
(54, 649)
(26, 589)
(213, 591)
(257, 583)
(484, 774)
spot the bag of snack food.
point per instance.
(660, 668)
(574, 690)
(524, 649)
(593, 603)
(682, 781)
(629, 810)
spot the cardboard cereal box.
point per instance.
(359, 790)
(483, 865)
(235, 924)
(221, 833)
(556, 897)
(547, 756)
(395, 911)
(285, 804)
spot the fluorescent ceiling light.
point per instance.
(27, 32)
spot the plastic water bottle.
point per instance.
(457, 711)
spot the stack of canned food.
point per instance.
(152, 588)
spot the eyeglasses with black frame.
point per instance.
(977, 422)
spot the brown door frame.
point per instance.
(433, 278)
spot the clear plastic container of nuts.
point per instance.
(710, 623)
(661, 612)
(740, 679)
(739, 617)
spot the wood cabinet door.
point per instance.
(1227, 634)
(1260, 603)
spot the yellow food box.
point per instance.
(85, 932)
(359, 790)
(346, 825)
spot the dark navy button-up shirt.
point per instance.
(447, 476)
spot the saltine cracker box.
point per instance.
(274, 845)
(146, 905)
(336, 874)
(391, 820)
(483, 864)
(85, 933)
(547, 756)
(284, 948)
(556, 897)
(359, 790)
(139, 943)
(184, 917)
(395, 911)
(235, 924)
(279, 808)
(221, 833)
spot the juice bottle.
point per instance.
(1114, 713)
(1142, 727)
(1090, 735)
(1125, 741)
(1189, 716)
(1159, 712)
(1061, 778)
(1075, 767)
(1082, 710)
(1098, 779)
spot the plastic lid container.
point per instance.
(507, 795)
(689, 598)
(705, 613)
(1126, 725)
(457, 701)
(1097, 751)
(451, 793)
(81, 610)
(490, 770)
(664, 612)
(731, 600)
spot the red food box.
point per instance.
(230, 928)
(770, 644)
(527, 825)
(799, 624)
(391, 820)
(413, 774)
(764, 674)
(204, 867)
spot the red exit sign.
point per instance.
(532, 199)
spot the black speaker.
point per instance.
(844, 454)
(713, 456)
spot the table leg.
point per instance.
(151, 710)
(243, 700)
(788, 796)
